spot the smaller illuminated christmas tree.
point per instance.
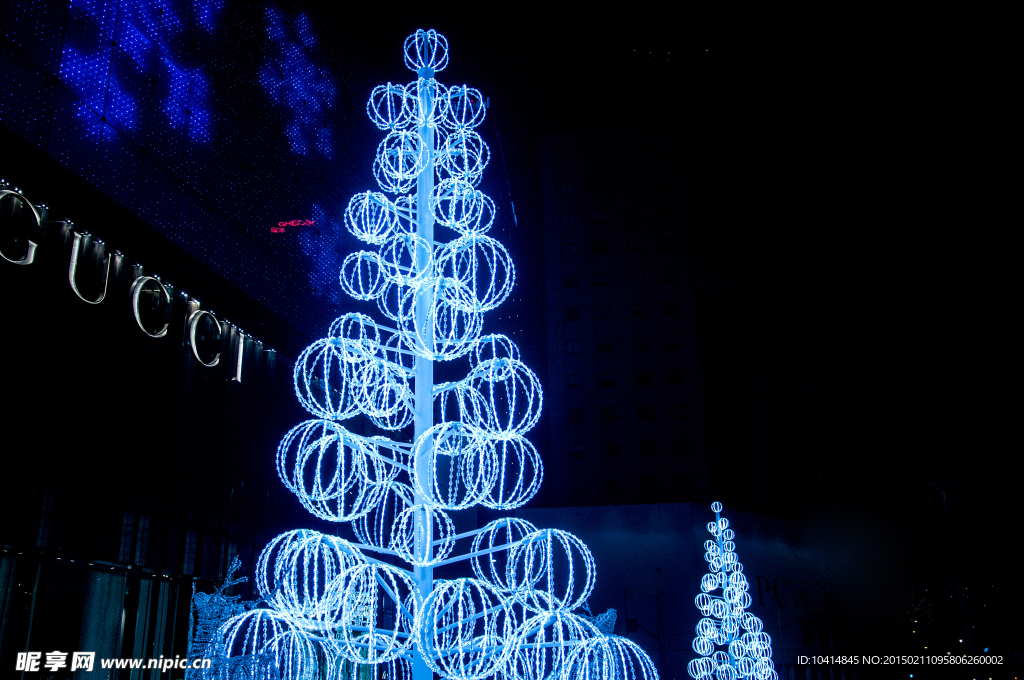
(747, 654)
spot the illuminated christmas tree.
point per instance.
(746, 654)
(433, 274)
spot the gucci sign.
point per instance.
(150, 298)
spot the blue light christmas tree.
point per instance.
(747, 654)
(335, 611)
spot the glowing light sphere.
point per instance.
(519, 473)
(323, 377)
(371, 217)
(332, 472)
(609, 658)
(362, 275)
(464, 156)
(455, 203)
(429, 100)
(356, 603)
(748, 654)
(426, 49)
(402, 155)
(466, 108)
(551, 570)
(494, 346)
(513, 395)
(294, 572)
(375, 527)
(338, 614)
(271, 638)
(461, 466)
(545, 643)
(445, 332)
(499, 538)
(466, 629)
(408, 259)
(409, 535)
(390, 107)
(483, 269)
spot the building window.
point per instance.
(569, 249)
(574, 380)
(566, 188)
(575, 416)
(641, 343)
(576, 452)
(639, 311)
(572, 313)
(604, 345)
(570, 281)
(673, 341)
(597, 216)
(573, 346)
(643, 378)
(601, 279)
(607, 414)
(635, 246)
(681, 448)
(602, 312)
(606, 380)
(638, 278)
(579, 488)
(676, 376)
(568, 218)
(645, 413)
(610, 450)
(671, 308)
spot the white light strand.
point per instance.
(465, 109)
(609, 658)
(545, 644)
(459, 206)
(426, 49)
(372, 609)
(492, 567)
(390, 107)
(551, 570)
(466, 629)
(371, 217)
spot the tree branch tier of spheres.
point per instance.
(342, 608)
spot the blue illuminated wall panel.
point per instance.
(210, 122)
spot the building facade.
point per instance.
(627, 423)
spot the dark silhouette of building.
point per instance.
(626, 417)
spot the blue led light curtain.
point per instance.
(208, 121)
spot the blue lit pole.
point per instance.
(424, 413)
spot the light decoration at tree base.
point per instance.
(747, 649)
(332, 608)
